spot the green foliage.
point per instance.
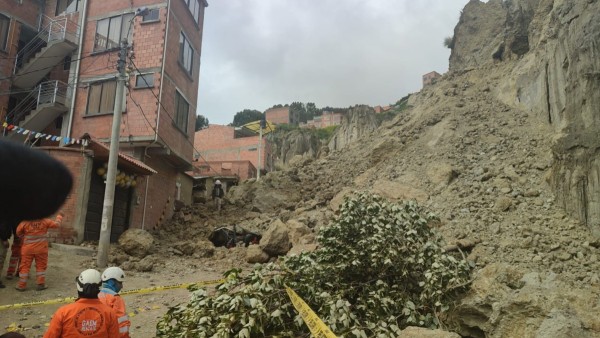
(246, 116)
(201, 122)
(402, 104)
(449, 42)
(326, 133)
(283, 127)
(379, 268)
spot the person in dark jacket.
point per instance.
(34, 184)
(5, 233)
(217, 194)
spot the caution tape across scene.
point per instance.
(314, 323)
(127, 292)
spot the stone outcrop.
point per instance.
(276, 240)
(507, 302)
(557, 77)
(298, 142)
(356, 123)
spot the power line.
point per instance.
(166, 112)
(14, 76)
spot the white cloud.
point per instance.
(257, 53)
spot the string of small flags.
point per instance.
(37, 135)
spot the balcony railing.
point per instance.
(45, 93)
(56, 29)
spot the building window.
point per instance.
(186, 54)
(4, 25)
(152, 15)
(67, 62)
(101, 97)
(67, 6)
(194, 8)
(182, 108)
(144, 80)
(111, 30)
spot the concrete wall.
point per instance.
(243, 169)
(75, 207)
(279, 115)
(217, 143)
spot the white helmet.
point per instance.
(113, 272)
(218, 182)
(88, 277)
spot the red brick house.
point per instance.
(223, 150)
(281, 115)
(430, 78)
(58, 83)
(327, 119)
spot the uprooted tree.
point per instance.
(380, 267)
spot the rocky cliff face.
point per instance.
(358, 122)
(298, 142)
(555, 46)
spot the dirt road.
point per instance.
(63, 267)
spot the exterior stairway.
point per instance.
(48, 49)
(38, 109)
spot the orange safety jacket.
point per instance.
(114, 301)
(84, 318)
(34, 234)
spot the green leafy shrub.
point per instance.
(380, 267)
(326, 133)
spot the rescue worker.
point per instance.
(34, 235)
(87, 316)
(112, 282)
(217, 194)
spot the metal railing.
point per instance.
(56, 29)
(45, 93)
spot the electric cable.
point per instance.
(169, 115)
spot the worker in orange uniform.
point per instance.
(87, 317)
(112, 282)
(34, 235)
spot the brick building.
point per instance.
(430, 78)
(281, 115)
(327, 119)
(58, 90)
(223, 151)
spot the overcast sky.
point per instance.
(337, 53)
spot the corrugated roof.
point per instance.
(102, 150)
(254, 127)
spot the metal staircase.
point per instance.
(47, 49)
(39, 108)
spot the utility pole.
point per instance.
(109, 192)
(262, 124)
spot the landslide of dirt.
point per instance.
(479, 164)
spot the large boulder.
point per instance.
(505, 301)
(276, 240)
(297, 230)
(254, 254)
(136, 242)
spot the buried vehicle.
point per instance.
(230, 238)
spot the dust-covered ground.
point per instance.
(144, 309)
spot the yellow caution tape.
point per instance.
(314, 323)
(128, 292)
(169, 287)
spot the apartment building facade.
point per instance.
(223, 151)
(326, 119)
(58, 90)
(430, 78)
